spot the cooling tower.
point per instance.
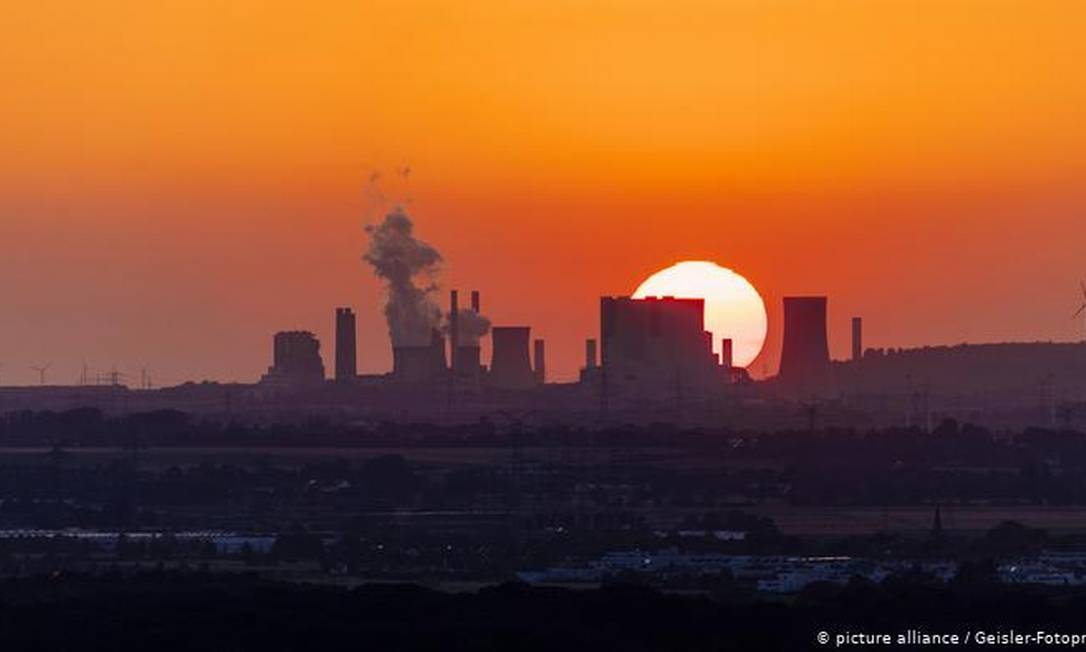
(510, 366)
(805, 355)
(420, 364)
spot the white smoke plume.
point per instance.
(471, 328)
(398, 258)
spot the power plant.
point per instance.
(540, 369)
(857, 339)
(346, 345)
(296, 360)
(805, 353)
(652, 358)
(510, 366)
(420, 364)
(656, 343)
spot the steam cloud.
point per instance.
(472, 326)
(398, 258)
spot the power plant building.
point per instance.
(655, 345)
(296, 359)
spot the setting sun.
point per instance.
(733, 308)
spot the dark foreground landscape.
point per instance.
(177, 611)
(158, 531)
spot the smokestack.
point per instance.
(540, 363)
(346, 345)
(805, 354)
(454, 327)
(510, 366)
(857, 338)
(475, 301)
(726, 353)
(590, 354)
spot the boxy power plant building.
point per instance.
(656, 345)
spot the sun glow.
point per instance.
(733, 308)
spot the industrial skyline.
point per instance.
(165, 220)
(544, 324)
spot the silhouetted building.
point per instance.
(857, 338)
(590, 373)
(510, 366)
(726, 356)
(296, 359)
(454, 328)
(346, 345)
(468, 362)
(656, 346)
(464, 357)
(540, 362)
(805, 355)
(420, 364)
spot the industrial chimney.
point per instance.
(540, 368)
(346, 346)
(510, 366)
(475, 301)
(857, 339)
(590, 354)
(805, 355)
(454, 328)
(726, 358)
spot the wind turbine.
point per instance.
(1081, 308)
(41, 372)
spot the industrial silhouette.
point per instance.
(805, 355)
(651, 359)
(296, 360)
(1081, 308)
(346, 345)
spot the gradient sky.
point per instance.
(179, 179)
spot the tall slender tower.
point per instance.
(540, 369)
(857, 338)
(726, 358)
(454, 328)
(346, 345)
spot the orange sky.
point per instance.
(179, 179)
